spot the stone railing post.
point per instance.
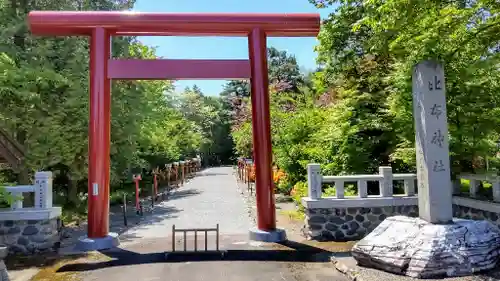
(473, 187)
(386, 189)
(362, 189)
(496, 190)
(17, 201)
(409, 186)
(43, 190)
(455, 184)
(339, 189)
(314, 180)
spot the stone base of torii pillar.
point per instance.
(416, 248)
(434, 245)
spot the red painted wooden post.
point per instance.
(239, 169)
(261, 129)
(168, 175)
(99, 134)
(176, 175)
(183, 172)
(156, 186)
(137, 178)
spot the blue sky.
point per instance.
(227, 47)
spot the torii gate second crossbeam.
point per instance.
(101, 26)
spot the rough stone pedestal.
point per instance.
(414, 247)
(4, 275)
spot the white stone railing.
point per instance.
(42, 208)
(474, 182)
(385, 178)
(479, 203)
(42, 189)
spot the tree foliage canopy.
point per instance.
(351, 115)
(44, 92)
(356, 114)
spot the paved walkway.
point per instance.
(208, 199)
(244, 261)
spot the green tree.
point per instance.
(44, 94)
(464, 36)
(397, 35)
(212, 119)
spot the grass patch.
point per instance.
(50, 272)
(294, 215)
(73, 216)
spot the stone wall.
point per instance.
(346, 224)
(30, 236)
(475, 214)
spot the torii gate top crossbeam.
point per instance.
(67, 23)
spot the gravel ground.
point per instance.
(208, 199)
(283, 203)
(248, 198)
(347, 265)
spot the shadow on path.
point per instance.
(298, 253)
(211, 174)
(178, 194)
(116, 224)
(158, 215)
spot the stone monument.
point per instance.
(435, 244)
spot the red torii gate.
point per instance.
(101, 26)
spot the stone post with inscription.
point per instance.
(431, 134)
(435, 244)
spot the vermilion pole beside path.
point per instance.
(99, 26)
(261, 130)
(99, 134)
(137, 178)
(156, 187)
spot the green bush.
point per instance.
(6, 199)
(329, 192)
(284, 186)
(299, 190)
(483, 190)
(349, 190)
(116, 198)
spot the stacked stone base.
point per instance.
(30, 236)
(413, 247)
(348, 224)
